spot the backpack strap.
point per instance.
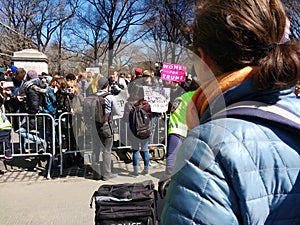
(104, 96)
(274, 115)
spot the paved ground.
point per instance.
(27, 197)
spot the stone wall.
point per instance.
(31, 59)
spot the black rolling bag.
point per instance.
(128, 203)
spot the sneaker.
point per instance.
(134, 174)
(110, 176)
(144, 172)
(96, 176)
(42, 147)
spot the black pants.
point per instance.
(105, 135)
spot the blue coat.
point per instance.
(232, 171)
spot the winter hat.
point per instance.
(32, 74)
(13, 68)
(138, 71)
(102, 83)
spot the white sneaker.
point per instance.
(42, 147)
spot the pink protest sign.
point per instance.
(173, 72)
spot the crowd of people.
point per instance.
(32, 93)
(233, 142)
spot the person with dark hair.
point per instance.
(240, 161)
(139, 146)
(70, 76)
(177, 127)
(16, 101)
(104, 128)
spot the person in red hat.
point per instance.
(138, 73)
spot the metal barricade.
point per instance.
(160, 135)
(121, 140)
(71, 123)
(24, 141)
(69, 141)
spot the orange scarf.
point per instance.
(207, 92)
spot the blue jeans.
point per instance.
(144, 153)
(26, 135)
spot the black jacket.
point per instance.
(33, 97)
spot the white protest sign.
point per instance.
(158, 98)
(121, 100)
(92, 70)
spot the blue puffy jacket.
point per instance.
(232, 171)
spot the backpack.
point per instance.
(140, 122)
(94, 109)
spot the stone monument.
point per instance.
(31, 59)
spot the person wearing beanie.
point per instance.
(103, 83)
(33, 88)
(31, 74)
(104, 129)
(138, 72)
(13, 68)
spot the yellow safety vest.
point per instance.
(177, 121)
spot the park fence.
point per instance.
(25, 137)
(68, 134)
